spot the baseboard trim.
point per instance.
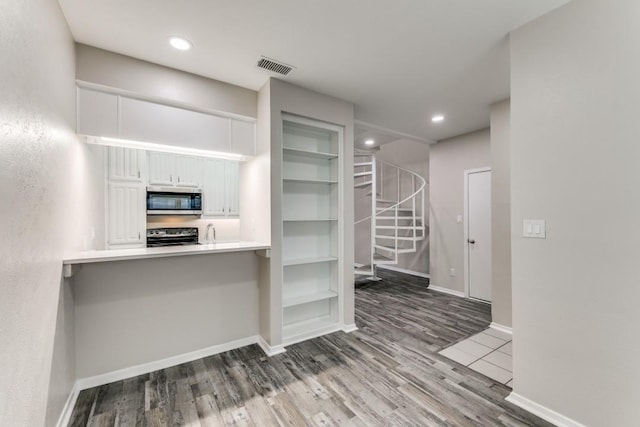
(447, 291)
(268, 349)
(145, 368)
(542, 411)
(501, 328)
(349, 328)
(403, 270)
(67, 410)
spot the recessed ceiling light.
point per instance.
(180, 43)
(437, 118)
(369, 142)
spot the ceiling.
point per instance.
(398, 61)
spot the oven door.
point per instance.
(162, 201)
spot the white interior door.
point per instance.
(479, 234)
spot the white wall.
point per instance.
(575, 99)
(501, 213)
(414, 156)
(448, 159)
(145, 78)
(134, 312)
(42, 173)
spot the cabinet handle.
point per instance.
(178, 179)
(170, 178)
(139, 235)
(138, 174)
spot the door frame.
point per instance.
(465, 220)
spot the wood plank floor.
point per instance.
(387, 373)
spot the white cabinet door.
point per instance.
(188, 171)
(161, 169)
(163, 124)
(243, 137)
(97, 113)
(232, 187)
(213, 187)
(126, 164)
(127, 220)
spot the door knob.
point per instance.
(471, 241)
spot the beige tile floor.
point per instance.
(488, 352)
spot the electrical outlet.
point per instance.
(452, 272)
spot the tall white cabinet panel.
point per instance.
(151, 122)
(311, 250)
(126, 164)
(126, 216)
(161, 169)
(232, 187)
(213, 189)
(243, 137)
(97, 113)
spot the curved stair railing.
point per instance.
(397, 212)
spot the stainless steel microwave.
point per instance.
(174, 201)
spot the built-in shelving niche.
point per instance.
(311, 228)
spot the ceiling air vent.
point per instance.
(274, 66)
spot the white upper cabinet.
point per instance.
(243, 137)
(162, 124)
(167, 170)
(188, 171)
(97, 113)
(220, 187)
(126, 164)
(117, 116)
(161, 169)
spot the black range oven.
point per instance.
(172, 236)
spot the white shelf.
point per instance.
(308, 219)
(303, 299)
(301, 331)
(313, 260)
(311, 181)
(309, 153)
(311, 267)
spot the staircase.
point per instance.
(397, 213)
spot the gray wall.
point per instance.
(501, 213)
(575, 99)
(42, 170)
(448, 159)
(156, 81)
(413, 156)
(134, 312)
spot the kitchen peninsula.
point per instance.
(140, 309)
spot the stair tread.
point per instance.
(362, 173)
(362, 184)
(404, 239)
(400, 227)
(362, 164)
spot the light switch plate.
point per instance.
(534, 228)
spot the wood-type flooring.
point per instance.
(388, 373)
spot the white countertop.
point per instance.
(86, 257)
